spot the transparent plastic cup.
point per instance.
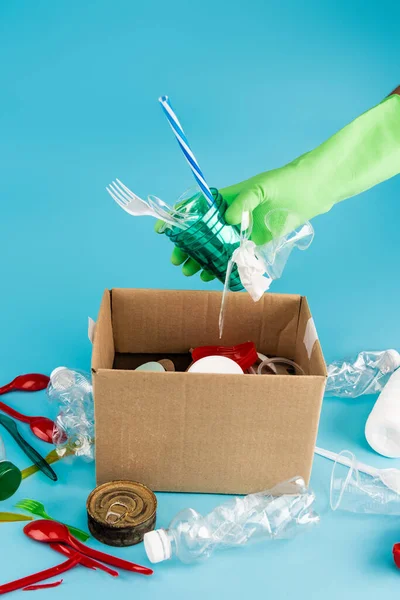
(207, 238)
(358, 491)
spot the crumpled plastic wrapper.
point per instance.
(74, 425)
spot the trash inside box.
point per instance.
(198, 432)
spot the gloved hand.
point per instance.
(358, 157)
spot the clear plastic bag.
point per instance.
(258, 266)
(74, 425)
(367, 374)
(274, 514)
(286, 236)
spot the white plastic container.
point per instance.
(382, 428)
(215, 364)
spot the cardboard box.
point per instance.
(192, 432)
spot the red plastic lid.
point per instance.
(244, 354)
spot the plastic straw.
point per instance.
(185, 147)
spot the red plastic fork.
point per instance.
(51, 532)
(41, 576)
(85, 561)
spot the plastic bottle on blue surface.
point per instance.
(71, 389)
(273, 514)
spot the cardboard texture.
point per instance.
(192, 432)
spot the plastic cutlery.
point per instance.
(126, 199)
(165, 212)
(85, 561)
(389, 477)
(132, 204)
(31, 382)
(38, 509)
(42, 427)
(41, 576)
(27, 448)
(53, 532)
(51, 458)
(43, 586)
(7, 517)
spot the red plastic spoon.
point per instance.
(42, 427)
(52, 532)
(31, 382)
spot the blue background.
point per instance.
(255, 84)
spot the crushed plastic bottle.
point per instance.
(273, 514)
(74, 425)
(367, 374)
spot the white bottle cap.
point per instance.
(157, 546)
(61, 379)
(215, 364)
(55, 371)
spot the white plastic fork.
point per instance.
(129, 201)
(134, 205)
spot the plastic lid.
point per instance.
(10, 479)
(215, 364)
(157, 545)
(244, 354)
(151, 366)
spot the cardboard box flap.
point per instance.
(103, 344)
(149, 321)
(308, 348)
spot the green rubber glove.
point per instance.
(358, 157)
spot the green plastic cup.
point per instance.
(206, 237)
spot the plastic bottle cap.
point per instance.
(10, 479)
(62, 378)
(56, 370)
(215, 364)
(157, 546)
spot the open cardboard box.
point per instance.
(191, 432)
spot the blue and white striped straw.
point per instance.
(185, 147)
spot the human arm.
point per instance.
(361, 155)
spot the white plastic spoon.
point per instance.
(389, 477)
